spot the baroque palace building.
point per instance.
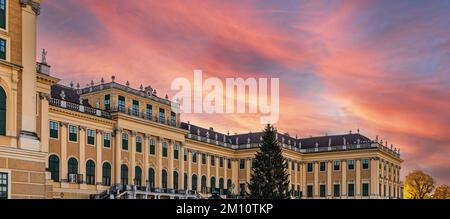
(109, 140)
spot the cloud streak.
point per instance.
(380, 66)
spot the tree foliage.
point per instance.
(269, 178)
(442, 192)
(418, 185)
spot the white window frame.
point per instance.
(8, 172)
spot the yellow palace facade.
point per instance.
(109, 140)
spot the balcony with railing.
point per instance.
(79, 108)
(366, 145)
(144, 115)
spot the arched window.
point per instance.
(124, 174)
(164, 179)
(106, 174)
(194, 182)
(221, 185)
(2, 112)
(203, 184)
(229, 185)
(138, 176)
(53, 166)
(90, 172)
(175, 180)
(213, 184)
(185, 179)
(73, 166)
(151, 178)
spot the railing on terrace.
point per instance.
(303, 150)
(79, 108)
(145, 115)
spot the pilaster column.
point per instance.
(98, 167)
(344, 178)
(303, 173)
(82, 142)
(374, 177)
(217, 172)
(358, 177)
(208, 171)
(248, 168)
(117, 153)
(189, 162)
(234, 175)
(199, 171)
(132, 156)
(63, 138)
(316, 179)
(329, 182)
(181, 164)
(170, 159)
(146, 151)
(158, 167)
(44, 124)
(225, 173)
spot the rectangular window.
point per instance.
(194, 157)
(298, 166)
(135, 108)
(351, 164)
(164, 151)
(91, 137)
(241, 163)
(185, 154)
(310, 167)
(3, 185)
(3, 14)
(322, 190)
(337, 165)
(53, 129)
(337, 190)
(175, 151)
(121, 104)
(229, 164)
(106, 140)
(3, 49)
(173, 118)
(152, 147)
(309, 191)
(124, 141)
(138, 144)
(162, 116)
(203, 158)
(365, 189)
(292, 166)
(322, 166)
(351, 189)
(213, 161)
(365, 164)
(107, 102)
(149, 112)
(73, 133)
(221, 162)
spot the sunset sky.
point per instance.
(380, 66)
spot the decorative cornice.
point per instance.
(34, 5)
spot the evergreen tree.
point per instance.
(269, 178)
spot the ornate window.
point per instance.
(124, 174)
(138, 176)
(91, 137)
(175, 180)
(194, 182)
(124, 141)
(164, 179)
(151, 178)
(138, 144)
(53, 166)
(90, 172)
(106, 169)
(53, 129)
